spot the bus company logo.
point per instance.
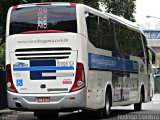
(20, 64)
(65, 63)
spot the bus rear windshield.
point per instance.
(43, 19)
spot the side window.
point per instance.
(151, 55)
(126, 41)
(94, 34)
(138, 46)
(115, 31)
(107, 41)
(130, 42)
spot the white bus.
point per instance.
(66, 56)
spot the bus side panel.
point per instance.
(98, 79)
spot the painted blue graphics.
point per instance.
(20, 64)
(40, 68)
(102, 62)
(19, 82)
(37, 67)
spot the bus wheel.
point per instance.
(107, 109)
(138, 106)
(46, 115)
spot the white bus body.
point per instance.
(52, 64)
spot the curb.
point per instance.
(7, 114)
(6, 111)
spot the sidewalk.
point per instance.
(156, 98)
(3, 111)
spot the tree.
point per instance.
(92, 3)
(2, 56)
(124, 8)
(4, 6)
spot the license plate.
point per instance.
(43, 99)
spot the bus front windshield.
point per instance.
(43, 19)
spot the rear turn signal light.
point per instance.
(10, 85)
(79, 79)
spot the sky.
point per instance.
(151, 8)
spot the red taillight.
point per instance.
(42, 31)
(73, 4)
(79, 79)
(10, 85)
(15, 7)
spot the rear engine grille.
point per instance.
(43, 53)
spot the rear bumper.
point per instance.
(58, 101)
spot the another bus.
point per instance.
(66, 56)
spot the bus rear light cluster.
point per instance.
(79, 79)
(10, 85)
(15, 7)
(72, 4)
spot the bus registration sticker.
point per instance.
(43, 99)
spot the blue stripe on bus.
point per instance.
(110, 63)
(43, 68)
(37, 75)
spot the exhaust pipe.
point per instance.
(18, 104)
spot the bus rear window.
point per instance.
(43, 18)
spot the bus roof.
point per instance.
(109, 15)
(45, 4)
(118, 19)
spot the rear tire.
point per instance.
(138, 106)
(46, 115)
(106, 111)
(107, 108)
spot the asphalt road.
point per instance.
(151, 111)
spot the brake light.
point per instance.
(79, 79)
(73, 4)
(15, 7)
(42, 31)
(43, 4)
(10, 85)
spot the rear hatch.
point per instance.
(43, 47)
